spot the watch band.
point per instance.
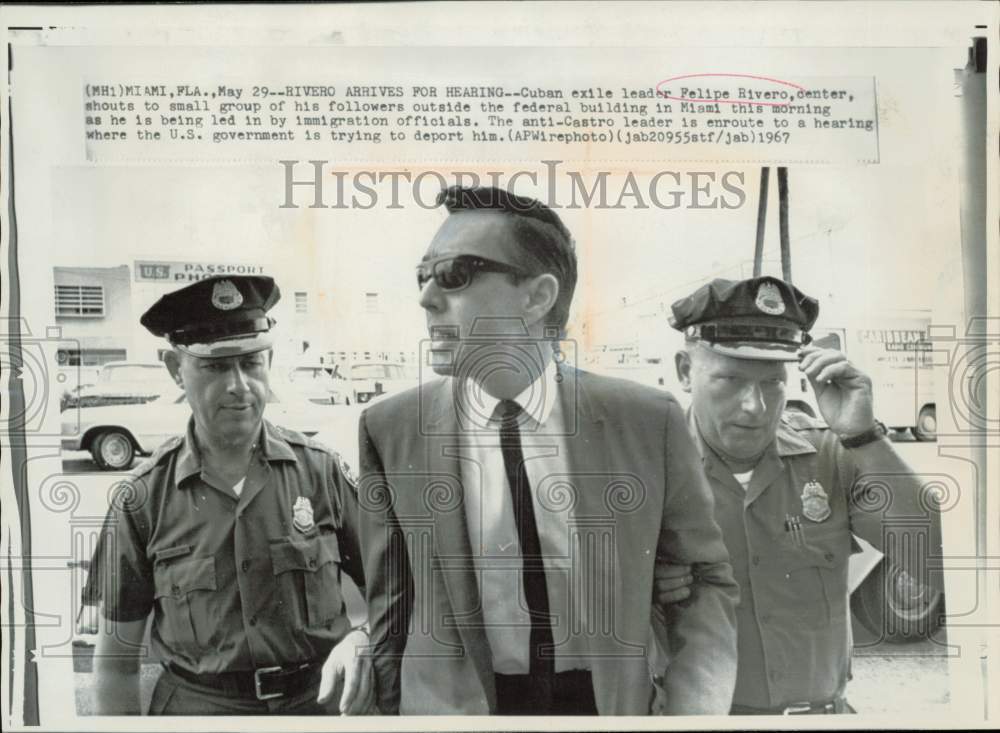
(875, 432)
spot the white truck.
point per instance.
(896, 353)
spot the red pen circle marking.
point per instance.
(727, 101)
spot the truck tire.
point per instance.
(894, 607)
(113, 450)
(926, 427)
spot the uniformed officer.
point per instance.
(232, 536)
(789, 490)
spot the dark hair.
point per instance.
(543, 239)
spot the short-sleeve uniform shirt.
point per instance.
(235, 583)
(789, 539)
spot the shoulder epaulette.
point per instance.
(294, 437)
(798, 420)
(159, 455)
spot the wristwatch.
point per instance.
(875, 432)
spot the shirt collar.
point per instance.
(189, 458)
(788, 441)
(537, 400)
(271, 446)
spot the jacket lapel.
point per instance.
(452, 545)
(596, 558)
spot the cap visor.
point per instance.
(755, 350)
(237, 346)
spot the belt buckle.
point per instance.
(256, 683)
(798, 708)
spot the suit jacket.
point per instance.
(639, 497)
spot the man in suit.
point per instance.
(513, 510)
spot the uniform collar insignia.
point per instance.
(345, 469)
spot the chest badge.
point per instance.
(302, 514)
(815, 502)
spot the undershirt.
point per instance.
(743, 478)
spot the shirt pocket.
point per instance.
(312, 567)
(806, 573)
(183, 589)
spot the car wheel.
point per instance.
(926, 427)
(113, 450)
(893, 606)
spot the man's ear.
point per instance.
(682, 362)
(173, 361)
(541, 294)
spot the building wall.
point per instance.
(341, 322)
(114, 329)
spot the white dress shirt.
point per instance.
(493, 532)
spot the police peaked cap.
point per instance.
(218, 316)
(760, 318)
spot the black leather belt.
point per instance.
(266, 683)
(831, 707)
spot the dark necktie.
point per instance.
(542, 668)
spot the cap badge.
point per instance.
(302, 514)
(815, 503)
(226, 296)
(769, 299)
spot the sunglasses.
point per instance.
(456, 272)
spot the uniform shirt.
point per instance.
(489, 514)
(792, 619)
(235, 583)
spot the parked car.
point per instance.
(116, 434)
(371, 380)
(315, 383)
(121, 383)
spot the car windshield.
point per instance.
(377, 371)
(132, 373)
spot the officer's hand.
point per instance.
(843, 392)
(671, 583)
(349, 669)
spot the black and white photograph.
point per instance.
(500, 366)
